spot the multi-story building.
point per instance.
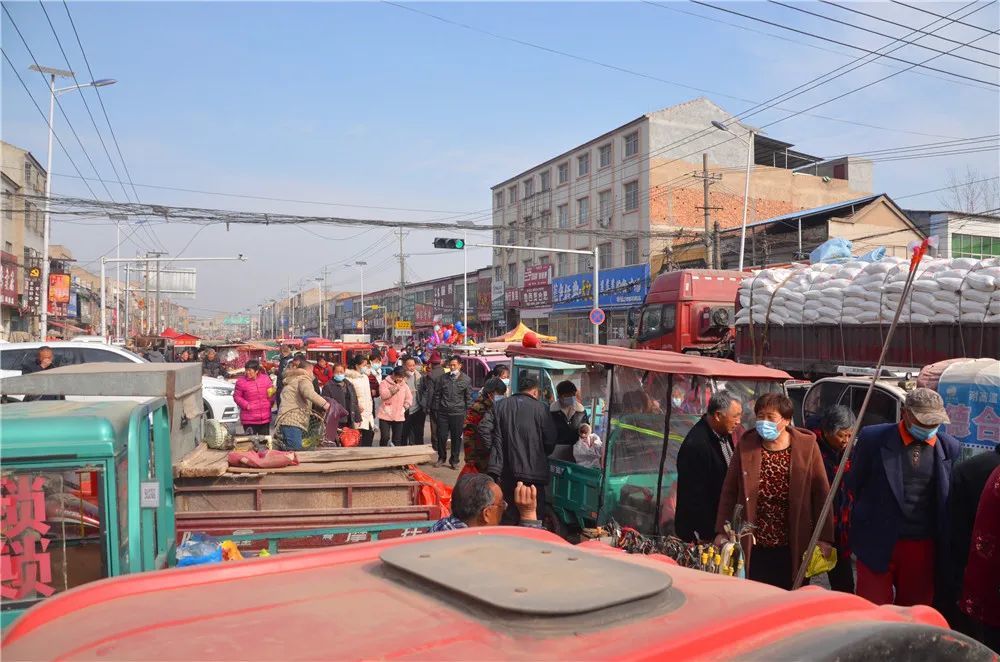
(960, 234)
(23, 220)
(638, 188)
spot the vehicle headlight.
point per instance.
(214, 390)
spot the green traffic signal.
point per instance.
(447, 242)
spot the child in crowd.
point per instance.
(588, 451)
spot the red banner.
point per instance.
(423, 315)
(538, 275)
(59, 288)
(484, 299)
(8, 280)
(513, 297)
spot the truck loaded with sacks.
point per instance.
(826, 318)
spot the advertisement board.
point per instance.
(497, 301)
(624, 287)
(8, 280)
(483, 299)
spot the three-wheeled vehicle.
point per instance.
(86, 494)
(479, 360)
(338, 352)
(642, 404)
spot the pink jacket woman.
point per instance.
(251, 396)
(396, 399)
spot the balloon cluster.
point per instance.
(448, 334)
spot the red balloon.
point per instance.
(530, 339)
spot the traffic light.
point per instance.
(445, 242)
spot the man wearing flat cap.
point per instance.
(900, 477)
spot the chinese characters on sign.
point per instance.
(32, 288)
(423, 314)
(513, 297)
(8, 291)
(25, 563)
(537, 291)
(974, 409)
(483, 300)
(444, 297)
(537, 275)
(497, 301)
(619, 288)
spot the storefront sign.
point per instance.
(8, 280)
(537, 276)
(25, 559)
(59, 288)
(423, 314)
(513, 297)
(73, 308)
(537, 297)
(483, 297)
(33, 288)
(444, 297)
(403, 325)
(624, 287)
(498, 301)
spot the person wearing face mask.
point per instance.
(357, 375)
(900, 476)
(452, 398)
(477, 449)
(413, 424)
(341, 390)
(395, 398)
(833, 433)
(568, 415)
(777, 475)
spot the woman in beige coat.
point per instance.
(297, 399)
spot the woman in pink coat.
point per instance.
(253, 396)
(396, 399)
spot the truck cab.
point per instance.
(86, 494)
(690, 311)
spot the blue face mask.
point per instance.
(497, 398)
(506, 381)
(768, 430)
(922, 433)
(339, 378)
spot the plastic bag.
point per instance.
(818, 564)
(349, 437)
(198, 549)
(230, 552)
(432, 491)
(873, 255)
(832, 250)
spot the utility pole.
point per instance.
(402, 274)
(145, 298)
(711, 252)
(156, 306)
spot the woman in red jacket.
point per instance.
(253, 394)
(323, 372)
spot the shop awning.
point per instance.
(517, 335)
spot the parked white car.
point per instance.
(216, 393)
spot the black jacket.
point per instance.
(211, 368)
(452, 395)
(283, 363)
(32, 366)
(520, 434)
(568, 429)
(343, 393)
(701, 470)
(425, 397)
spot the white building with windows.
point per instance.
(641, 178)
(960, 234)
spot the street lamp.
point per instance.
(53, 93)
(362, 264)
(746, 189)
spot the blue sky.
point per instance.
(370, 104)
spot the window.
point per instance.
(512, 274)
(583, 211)
(604, 204)
(977, 246)
(544, 260)
(498, 273)
(582, 262)
(546, 179)
(512, 195)
(632, 144)
(563, 173)
(563, 263)
(27, 173)
(656, 320)
(546, 219)
(474, 367)
(604, 252)
(511, 235)
(604, 158)
(631, 196)
(582, 165)
(96, 355)
(498, 199)
(529, 187)
(562, 211)
(631, 251)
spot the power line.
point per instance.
(842, 43)
(902, 25)
(927, 11)
(881, 34)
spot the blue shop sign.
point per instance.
(624, 287)
(73, 308)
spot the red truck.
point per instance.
(690, 311)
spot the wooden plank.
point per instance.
(354, 454)
(333, 467)
(202, 462)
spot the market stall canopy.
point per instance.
(186, 340)
(518, 332)
(653, 360)
(169, 333)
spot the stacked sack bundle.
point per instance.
(945, 291)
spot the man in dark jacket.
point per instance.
(434, 372)
(44, 360)
(521, 435)
(900, 476)
(702, 463)
(211, 366)
(567, 415)
(284, 361)
(452, 398)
